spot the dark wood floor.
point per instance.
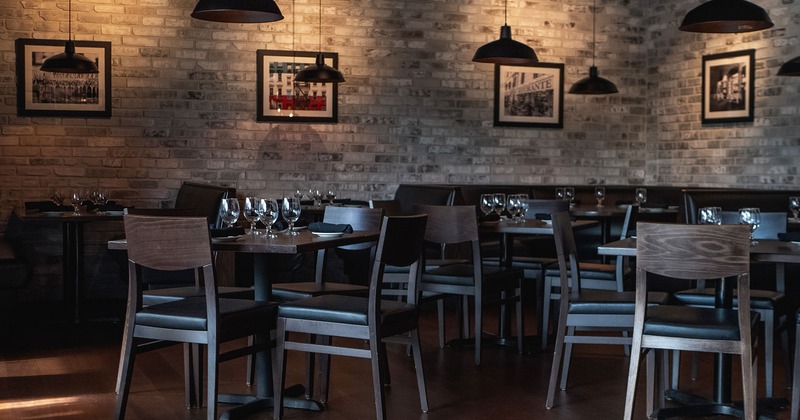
(62, 372)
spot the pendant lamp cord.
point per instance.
(320, 27)
(69, 21)
(594, 17)
(505, 13)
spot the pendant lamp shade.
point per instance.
(505, 51)
(237, 11)
(319, 72)
(790, 68)
(593, 84)
(69, 61)
(726, 16)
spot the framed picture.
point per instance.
(47, 94)
(529, 96)
(728, 86)
(282, 99)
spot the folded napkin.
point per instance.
(110, 206)
(542, 216)
(45, 206)
(789, 236)
(321, 227)
(223, 232)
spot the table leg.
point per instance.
(72, 238)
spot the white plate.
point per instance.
(228, 238)
(654, 210)
(115, 213)
(53, 213)
(328, 234)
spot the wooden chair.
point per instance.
(593, 276)
(585, 309)
(452, 225)
(171, 244)
(674, 252)
(372, 319)
(390, 207)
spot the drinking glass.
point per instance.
(291, 212)
(56, 197)
(513, 206)
(229, 211)
(523, 205)
(268, 214)
(559, 193)
(641, 196)
(330, 196)
(251, 212)
(499, 203)
(315, 195)
(487, 203)
(77, 198)
(298, 194)
(750, 216)
(600, 195)
(710, 216)
(100, 197)
(569, 195)
(794, 206)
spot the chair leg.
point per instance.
(310, 369)
(676, 368)
(560, 331)
(650, 361)
(325, 370)
(769, 348)
(251, 365)
(440, 310)
(748, 381)
(384, 364)
(539, 304)
(464, 317)
(520, 322)
(478, 327)
(795, 403)
(417, 352)
(279, 376)
(567, 358)
(377, 378)
(546, 295)
(633, 373)
(127, 359)
(192, 375)
(213, 380)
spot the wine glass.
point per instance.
(56, 197)
(251, 212)
(268, 214)
(569, 195)
(498, 203)
(514, 206)
(77, 200)
(487, 203)
(330, 196)
(315, 195)
(229, 211)
(298, 194)
(291, 212)
(641, 196)
(600, 195)
(710, 216)
(750, 216)
(523, 205)
(794, 206)
(559, 193)
(100, 197)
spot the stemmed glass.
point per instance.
(641, 196)
(330, 196)
(710, 216)
(498, 203)
(77, 199)
(750, 216)
(569, 195)
(487, 203)
(56, 197)
(315, 195)
(268, 214)
(291, 212)
(560, 193)
(794, 206)
(298, 194)
(251, 213)
(523, 205)
(600, 195)
(514, 206)
(229, 211)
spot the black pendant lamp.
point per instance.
(319, 72)
(69, 61)
(237, 11)
(726, 16)
(505, 50)
(790, 68)
(593, 84)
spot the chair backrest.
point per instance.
(203, 198)
(772, 223)
(545, 207)
(629, 222)
(400, 244)
(567, 254)
(691, 252)
(450, 224)
(410, 195)
(168, 244)
(390, 207)
(360, 218)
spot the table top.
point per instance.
(528, 227)
(611, 210)
(66, 216)
(283, 244)
(767, 250)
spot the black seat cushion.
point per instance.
(289, 292)
(612, 303)
(462, 275)
(156, 296)
(346, 310)
(692, 322)
(759, 299)
(190, 313)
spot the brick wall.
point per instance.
(415, 108)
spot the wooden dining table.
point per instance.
(260, 247)
(765, 250)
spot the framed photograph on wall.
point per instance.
(728, 87)
(47, 94)
(281, 99)
(529, 95)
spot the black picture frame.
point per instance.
(728, 87)
(529, 95)
(277, 96)
(47, 94)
